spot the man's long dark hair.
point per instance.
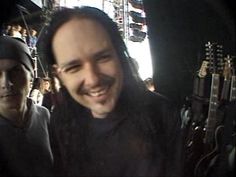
(73, 116)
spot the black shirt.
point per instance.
(129, 142)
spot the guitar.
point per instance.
(232, 96)
(212, 159)
(203, 166)
(199, 82)
(199, 103)
(214, 93)
(208, 142)
(233, 89)
(227, 73)
(203, 69)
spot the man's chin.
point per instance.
(13, 101)
(101, 111)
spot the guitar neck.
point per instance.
(213, 105)
(233, 89)
(225, 90)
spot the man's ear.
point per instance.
(55, 70)
(57, 73)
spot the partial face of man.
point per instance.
(88, 65)
(14, 85)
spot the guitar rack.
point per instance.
(214, 91)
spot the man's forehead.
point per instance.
(6, 64)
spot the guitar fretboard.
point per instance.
(213, 105)
(233, 89)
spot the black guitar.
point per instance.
(233, 89)
(232, 96)
(199, 105)
(227, 73)
(209, 144)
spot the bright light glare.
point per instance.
(141, 53)
(74, 3)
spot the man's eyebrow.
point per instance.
(102, 52)
(95, 55)
(15, 66)
(70, 63)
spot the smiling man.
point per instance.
(108, 124)
(24, 140)
(90, 69)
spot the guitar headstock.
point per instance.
(203, 70)
(214, 55)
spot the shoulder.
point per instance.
(163, 111)
(39, 111)
(158, 101)
(34, 92)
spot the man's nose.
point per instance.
(92, 75)
(6, 83)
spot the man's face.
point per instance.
(14, 85)
(46, 85)
(88, 65)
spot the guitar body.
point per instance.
(220, 162)
(193, 150)
(206, 163)
(195, 129)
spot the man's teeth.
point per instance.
(95, 94)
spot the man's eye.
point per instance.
(17, 67)
(104, 58)
(72, 69)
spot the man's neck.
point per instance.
(17, 117)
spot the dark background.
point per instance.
(177, 31)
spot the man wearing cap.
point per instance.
(24, 140)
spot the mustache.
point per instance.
(104, 81)
(8, 93)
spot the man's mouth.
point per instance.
(101, 91)
(97, 93)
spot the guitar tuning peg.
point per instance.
(208, 44)
(214, 43)
(227, 56)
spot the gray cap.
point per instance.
(12, 48)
